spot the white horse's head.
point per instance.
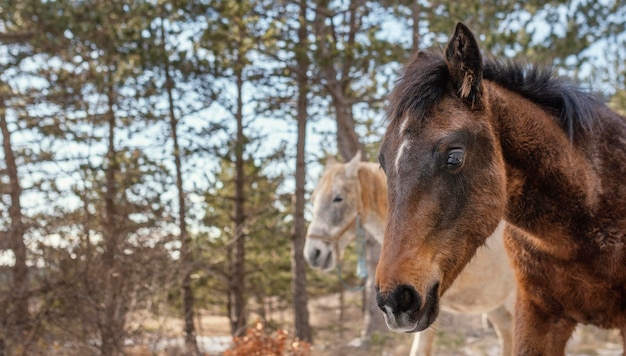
(335, 211)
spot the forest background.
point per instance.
(158, 156)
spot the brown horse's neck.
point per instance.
(552, 183)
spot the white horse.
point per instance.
(347, 193)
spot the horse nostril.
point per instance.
(404, 299)
(315, 254)
(407, 299)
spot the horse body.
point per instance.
(574, 214)
(568, 200)
(359, 189)
(496, 141)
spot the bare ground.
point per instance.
(457, 334)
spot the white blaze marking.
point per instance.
(400, 152)
(405, 142)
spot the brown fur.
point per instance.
(539, 153)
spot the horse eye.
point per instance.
(455, 158)
(337, 199)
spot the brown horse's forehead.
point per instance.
(445, 121)
(447, 124)
(447, 115)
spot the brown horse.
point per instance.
(470, 144)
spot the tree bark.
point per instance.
(300, 299)
(19, 317)
(415, 15)
(112, 319)
(337, 82)
(347, 140)
(238, 319)
(191, 345)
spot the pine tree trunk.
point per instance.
(415, 16)
(19, 317)
(300, 299)
(347, 140)
(186, 258)
(238, 319)
(110, 320)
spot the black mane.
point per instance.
(421, 85)
(425, 80)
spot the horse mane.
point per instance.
(574, 107)
(421, 84)
(373, 183)
(424, 81)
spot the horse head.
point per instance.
(445, 181)
(335, 211)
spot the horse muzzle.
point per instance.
(319, 255)
(406, 311)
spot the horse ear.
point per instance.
(352, 167)
(465, 65)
